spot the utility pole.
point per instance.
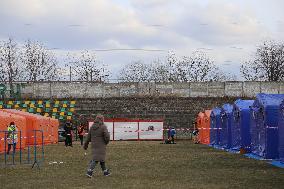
(91, 75)
(70, 73)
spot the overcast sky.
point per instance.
(228, 30)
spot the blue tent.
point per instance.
(215, 122)
(225, 126)
(264, 125)
(240, 125)
(281, 132)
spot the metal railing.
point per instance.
(30, 150)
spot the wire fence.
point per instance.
(27, 149)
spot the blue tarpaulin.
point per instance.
(264, 125)
(225, 126)
(240, 125)
(281, 133)
(277, 164)
(215, 122)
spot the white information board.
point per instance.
(110, 129)
(134, 129)
(109, 126)
(151, 130)
(125, 130)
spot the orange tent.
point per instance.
(200, 124)
(45, 126)
(54, 123)
(33, 122)
(20, 121)
(206, 127)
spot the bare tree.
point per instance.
(201, 67)
(40, 63)
(268, 64)
(10, 69)
(135, 72)
(86, 67)
(198, 68)
(158, 72)
(139, 71)
(219, 75)
(172, 63)
(9, 61)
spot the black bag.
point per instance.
(167, 141)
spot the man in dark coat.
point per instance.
(68, 134)
(99, 136)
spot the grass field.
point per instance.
(146, 165)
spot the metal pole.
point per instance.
(138, 131)
(50, 90)
(42, 149)
(13, 135)
(28, 148)
(76, 131)
(5, 142)
(35, 145)
(20, 147)
(70, 74)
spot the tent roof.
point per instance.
(200, 114)
(243, 104)
(265, 100)
(227, 108)
(207, 113)
(216, 111)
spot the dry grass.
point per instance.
(146, 165)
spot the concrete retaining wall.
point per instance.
(193, 89)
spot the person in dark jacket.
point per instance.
(99, 136)
(195, 134)
(81, 133)
(173, 133)
(169, 134)
(68, 134)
